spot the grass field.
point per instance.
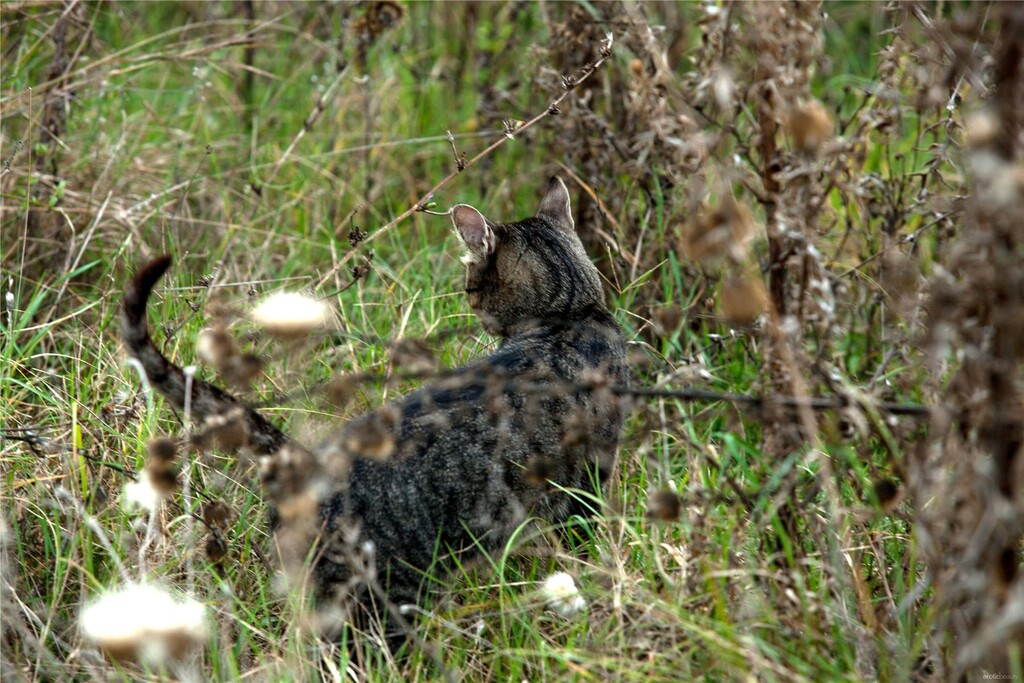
(786, 201)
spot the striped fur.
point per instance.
(474, 455)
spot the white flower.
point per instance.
(289, 314)
(562, 595)
(141, 622)
(143, 493)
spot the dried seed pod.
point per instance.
(412, 355)
(297, 509)
(216, 347)
(722, 232)
(809, 126)
(664, 505)
(373, 435)
(888, 493)
(216, 514)
(243, 370)
(982, 128)
(164, 481)
(538, 470)
(162, 450)
(743, 299)
(382, 15)
(667, 319)
(355, 236)
(360, 271)
(576, 431)
(853, 423)
(287, 473)
(215, 548)
(342, 389)
(228, 431)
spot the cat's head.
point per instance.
(528, 271)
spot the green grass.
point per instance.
(162, 154)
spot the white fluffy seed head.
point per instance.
(562, 595)
(144, 623)
(290, 314)
(142, 493)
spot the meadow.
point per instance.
(810, 222)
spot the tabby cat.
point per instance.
(457, 466)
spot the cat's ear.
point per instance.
(555, 204)
(474, 230)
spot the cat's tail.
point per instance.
(207, 401)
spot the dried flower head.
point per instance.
(538, 470)
(723, 87)
(342, 389)
(215, 548)
(288, 472)
(412, 355)
(160, 472)
(664, 505)
(667, 319)
(743, 299)
(562, 595)
(373, 435)
(162, 450)
(141, 622)
(163, 479)
(576, 430)
(216, 514)
(809, 126)
(215, 346)
(355, 236)
(289, 314)
(361, 271)
(243, 370)
(511, 126)
(888, 493)
(380, 16)
(298, 510)
(852, 423)
(228, 431)
(722, 232)
(982, 128)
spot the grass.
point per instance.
(162, 153)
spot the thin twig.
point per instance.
(686, 394)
